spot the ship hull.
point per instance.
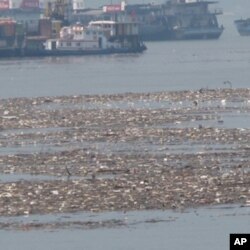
(197, 34)
(42, 53)
(243, 27)
(84, 52)
(152, 32)
(181, 34)
(177, 20)
(10, 52)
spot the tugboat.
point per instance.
(99, 37)
(243, 26)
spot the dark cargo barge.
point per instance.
(173, 20)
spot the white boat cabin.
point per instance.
(78, 37)
(97, 35)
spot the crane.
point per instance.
(58, 10)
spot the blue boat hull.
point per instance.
(40, 53)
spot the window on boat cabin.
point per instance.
(78, 44)
(68, 44)
(87, 32)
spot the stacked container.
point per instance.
(7, 27)
(45, 27)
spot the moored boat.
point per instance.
(99, 37)
(192, 19)
(173, 20)
(243, 26)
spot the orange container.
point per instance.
(8, 28)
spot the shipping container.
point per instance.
(30, 4)
(4, 4)
(45, 27)
(8, 27)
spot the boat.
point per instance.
(173, 20)
(99, 37)
(153, 22)
(190, 19)
(243, 26)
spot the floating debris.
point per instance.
(124, 152)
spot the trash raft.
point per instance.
(122, 152)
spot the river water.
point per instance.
(206, 228)
(164, 66)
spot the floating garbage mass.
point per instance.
(132, 151)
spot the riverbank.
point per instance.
(169, 150)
